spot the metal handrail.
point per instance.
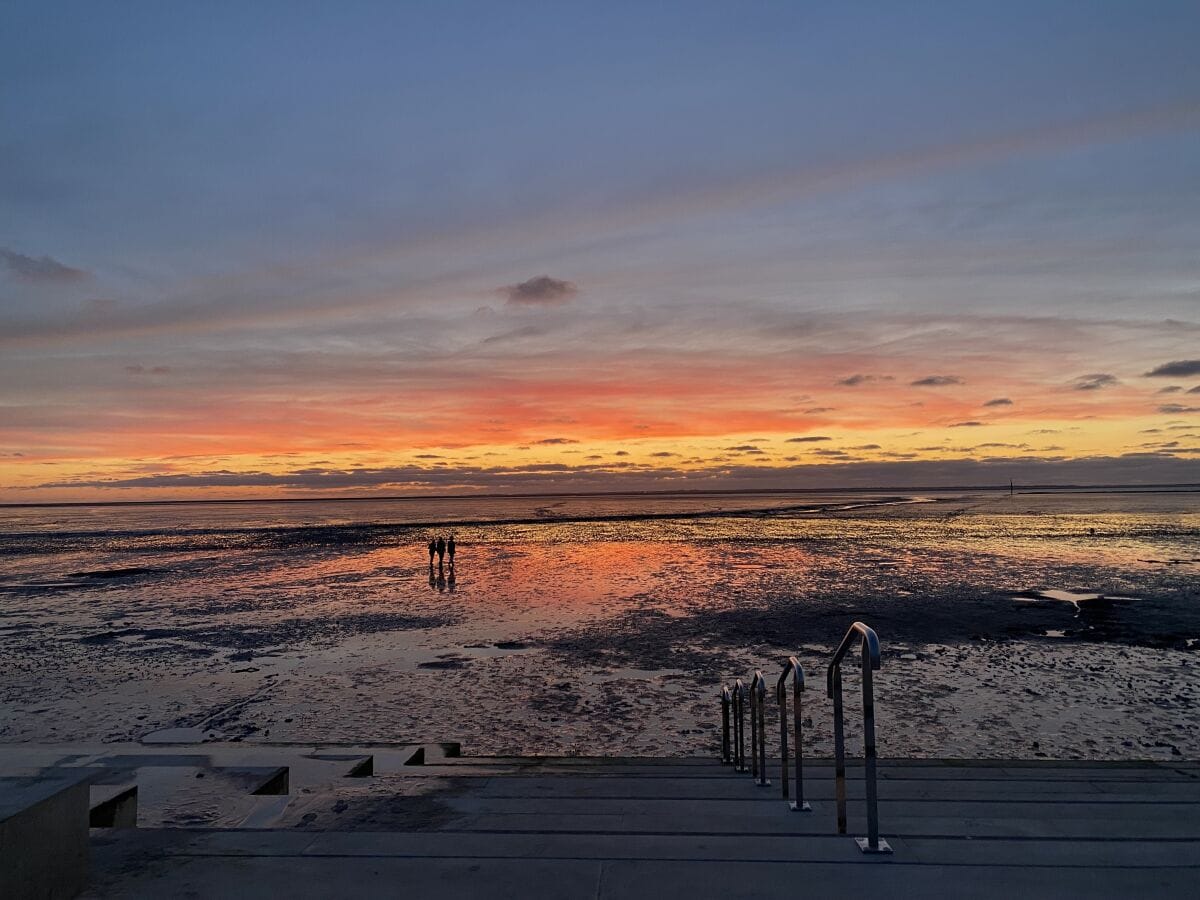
(870, 661)
(758, 729)
(726, 748)
(739, 726)
(797, 671)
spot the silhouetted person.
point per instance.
(441, 550)
(432, 550)
(450, 550)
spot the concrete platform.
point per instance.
(624, 828)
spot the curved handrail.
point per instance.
(796, 670)
(758, 728)
(870, 647)
(870, 662)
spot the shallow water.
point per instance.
(599, 624)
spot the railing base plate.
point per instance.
(766, 782)
(864, 844)
(803, 807)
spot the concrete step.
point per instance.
(823, 787)
(300, 865)
(771, 848)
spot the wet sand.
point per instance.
(552, 643)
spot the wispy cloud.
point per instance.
(1095, 381)
(856, 380)
(937, 381)
(999, 401)
(40, 269)
(810, 439)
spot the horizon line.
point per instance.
(1120, 487)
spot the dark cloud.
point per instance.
(663, 454)
(808, 440)
(867, 447)
(999, 401)
(40, 270)
(540, 291)
(514, 335)
(742, 448)
(1161, 467)
(937, 381)
(1195, 390)
(556, 440)
(1180, 368)
(1095, 381)
(971, 424)
(812, 411)
(1169, 389)
(1175, 409)
(856, 380)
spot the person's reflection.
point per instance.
(450, 579)
(441, 579)
(432, 577)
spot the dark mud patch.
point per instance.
(712, 640)
(447, 661)
(261, 636)
(107, 574)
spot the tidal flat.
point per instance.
(1036, 625)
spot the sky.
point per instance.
(291, 249)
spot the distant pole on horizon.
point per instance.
(1010, 487)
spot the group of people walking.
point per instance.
(441, 546)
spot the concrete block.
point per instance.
(44, 851)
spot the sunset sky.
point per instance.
(258, 250)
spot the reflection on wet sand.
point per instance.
(325, 629)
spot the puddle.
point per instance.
(1075, 598)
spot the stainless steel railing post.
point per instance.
(758, 718)
(753, 731)
(872, 843)
(739, 726)
(839, 752)
(797, 672)
(726, 757)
